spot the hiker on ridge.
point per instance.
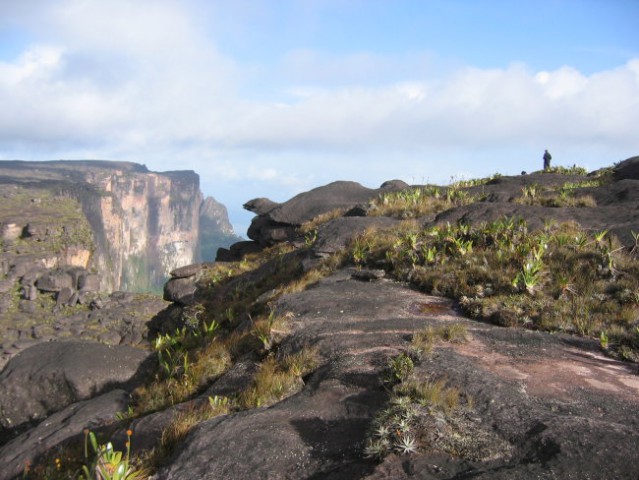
(547, 159)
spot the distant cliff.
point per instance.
(215, 229)
(129, 224)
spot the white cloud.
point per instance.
(144, 81)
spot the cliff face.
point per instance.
(142, 224)
(150, 225)
(215, 229)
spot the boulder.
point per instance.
(186, 271)
(4, 266)
(279, 222)
(21, 265)
(30, 292)
(54, 281)
(47, 377)
(336, 234)
(180, 290)
(32, 276)
(260, 206)
(64, 297)
(89, 282)
(628, 169)
(237, 251)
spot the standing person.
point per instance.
(547, 159)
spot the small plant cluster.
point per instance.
(424, 339)
(559, 277)
(417, 202)
(278, 378)
(400, 427)
(574, 170)
(473, 182)
(100, 462)
(564, 196)
(188, 359)
(108, 464)
(192, 357)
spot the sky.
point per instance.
(269, 98)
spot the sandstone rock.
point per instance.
(237, 251)
(64, 296)
(186, 271)
(158, 212)
(32, 276)
(60, 427)
(279, 222)
(49, 376)
(394, 185)
(21, 265)
(215, 229)
(236, 379)
(180, 290)
(89, 282)
(30, 292)
(27, 306)
(336, 234)
(528, 418)
(260, 206)
(54, 281)
(10, 231)
(4, 266)
(110, 338)
(628, 169)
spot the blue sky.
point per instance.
(273, 97)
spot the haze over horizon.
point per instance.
(271, 98)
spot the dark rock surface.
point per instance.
(532, 417)
(278, 222)
(180, 290)
(628, 169)
(532, 405)
(49, 376)
(65, 425)
(336, 234)
(119, 318)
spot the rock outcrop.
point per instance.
(49, 376)
(528, 418)
(215, 229)
(131, 225)
(73, 231)
(279, 222)
(318, 362)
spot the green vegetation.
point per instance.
(559, 278)
(418, 202)
(574, 170)
(566, 195)
(419, 407)
(108, 464)
(56, 221)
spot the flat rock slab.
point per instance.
(49, 376)
(527, 427)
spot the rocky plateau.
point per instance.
(310, 352)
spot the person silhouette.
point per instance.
(547, 159)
